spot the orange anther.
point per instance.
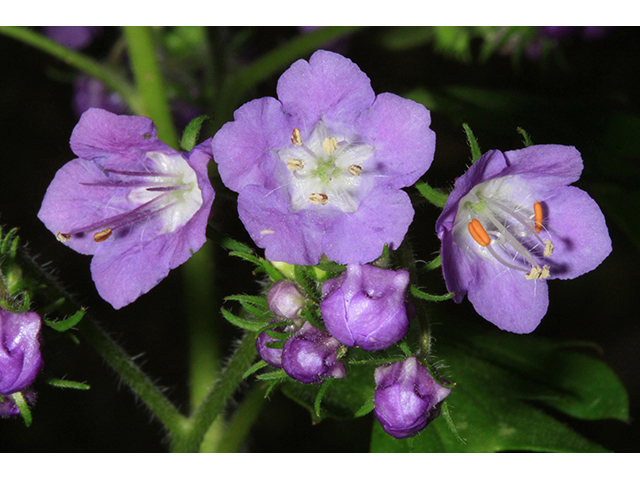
(478, 233)
(102, 235)
(537, 212)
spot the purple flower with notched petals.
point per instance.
(407, 397)
(137, 205)
(310, 355)
(20, 358)
(512, 222)
(320, 170)
(366, 306)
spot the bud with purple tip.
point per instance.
(407, 397)
(271, 355)
(20, 358)
(311, 354)
(366, 306)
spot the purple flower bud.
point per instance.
(284, 299)
(310, 355)
(273, 356)
(20, 358)
(366, 306)
(407, 397)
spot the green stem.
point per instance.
(439, 199)
(108, 76)
(218, 396)
(149, 82)
(240, 424)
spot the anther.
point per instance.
(537, 213)
(478, 233)
(62, 237)
(294, 164)
(548, 248)
(545, 272)
(102, 235)
(534, 273)
(318, 198)
(296, 138)
(330, 145)
(355, 170)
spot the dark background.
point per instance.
(586, 94)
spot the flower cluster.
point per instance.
(137, 205)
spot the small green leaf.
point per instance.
(58, 382)
(251, 325)
(259, 365)
(439, 199)
(323, 389)
(416, 292)
(525, 135)
(365, 409)
(476, 153)
(21, 403)
(67, 323)
(191, 132)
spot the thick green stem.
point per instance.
(218, 396)
(240, 424)
(149, 82)
(77, 60)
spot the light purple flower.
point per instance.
(310, 355)
(92, 93)
(320, 170)
(75, 37)
(512, 222)
(407, 397)
(284, 299)
(137, 205)
(20, 358)
(366, 306)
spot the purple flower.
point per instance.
(311, 354)
(137, 205)
(284, 299)
(366, 306)
(407, 397)
(92, 93)
(320, 170)
(512, 222)
(20, 358)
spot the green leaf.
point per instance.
(67, 323)
(251, 325)
(59, 382)
(191, 132)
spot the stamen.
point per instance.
(537, 210)
(478, 233)
(294, 164)
(548, 248)
(62, 237)
(296, 138)
(534, 273)
(318, 198)
(330, 145)
(545, 272)
(355, 170)
(102, 235)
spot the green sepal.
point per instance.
(275, 375)
(323, 389)
(25, 412)
(259, 365)
(61, 383)
(476, 153)
(416, 292)
(191, 133)
(433, 264)
(264, 265)
(436, 197)
(526, 136)
(67, 323)
(252, 304)
(251, 325)
(365, 409)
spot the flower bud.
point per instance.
(407, 397)
(284, 299)
(366, 306)
(311, 354)
(273, 356)
(20, 358)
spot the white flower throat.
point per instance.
(169, 190)
(327, 170)
(503, 229)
